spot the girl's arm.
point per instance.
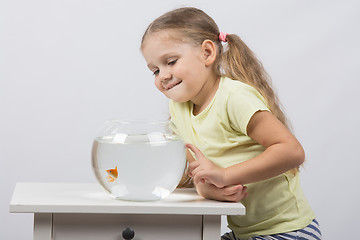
(283, 152)
(227, 194)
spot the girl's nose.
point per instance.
(165, 75)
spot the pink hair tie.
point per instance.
(222, 37)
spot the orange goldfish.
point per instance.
(113, 174)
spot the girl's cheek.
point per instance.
(159, 86)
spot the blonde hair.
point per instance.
(237, 61)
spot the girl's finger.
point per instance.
(193, 165)
(198, 177)
(232, 190)
(238, 196)
(195, 168)
(242, 194)
(199, 173)
(195, 150)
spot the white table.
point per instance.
(64, 211)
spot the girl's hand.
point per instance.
(204, 171)
(228, 194)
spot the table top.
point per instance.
(92, 198)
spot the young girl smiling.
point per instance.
(222, 104)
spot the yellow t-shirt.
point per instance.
(275, 205)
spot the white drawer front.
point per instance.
(110, 226)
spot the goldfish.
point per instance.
(113, 174)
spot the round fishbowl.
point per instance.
(138, 160)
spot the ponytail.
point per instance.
(239, 62)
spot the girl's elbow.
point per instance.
(298, 155)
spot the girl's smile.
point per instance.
(172, 85)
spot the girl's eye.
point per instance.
(172, 62)
(156, 72)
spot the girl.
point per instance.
(222, 104)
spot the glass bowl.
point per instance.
(138, 160)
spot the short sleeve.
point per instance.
(243, 102)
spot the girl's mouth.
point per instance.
(170, 86)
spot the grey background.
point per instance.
(66, 66)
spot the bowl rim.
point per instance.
(138, 121)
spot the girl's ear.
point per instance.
(209, 52)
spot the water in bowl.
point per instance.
(138, 167)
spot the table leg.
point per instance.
(211, 227)
(43, 226)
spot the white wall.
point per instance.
(68, 65)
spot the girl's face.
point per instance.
(179, 68)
